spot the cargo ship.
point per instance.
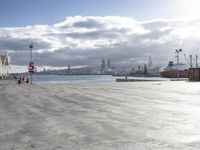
(175, 70)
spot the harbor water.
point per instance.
(86, 78)
(72, 78)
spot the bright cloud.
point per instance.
(187, 8)
(83, 41)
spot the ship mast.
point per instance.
(177, 56)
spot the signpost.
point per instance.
(31, 67)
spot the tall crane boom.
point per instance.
(187, 59)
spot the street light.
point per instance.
(177, 56)
(31, 64)
(31, 47)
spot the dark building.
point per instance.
(194, 74)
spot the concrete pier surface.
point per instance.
(100, 116)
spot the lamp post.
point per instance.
(177, 56)
(31, 48)
(31, 65)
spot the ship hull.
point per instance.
(173, 74)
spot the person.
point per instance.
(27, 80)
(23, 79)
(15, 77)
(19, 80)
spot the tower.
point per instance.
(69, 67)
(103, 65)
(145, 69)
(150, 63)
(108, 64)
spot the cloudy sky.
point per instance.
(82, 32)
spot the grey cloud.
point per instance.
(120, 56)
(18, 44)
(156, 34)
(93, 35)
(88, 23)
(127, 48)
(157, 24)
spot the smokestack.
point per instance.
(190, 61)
(197, 65)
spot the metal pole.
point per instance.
(177, 52)
(31, 62)
(197, 65)
(1, 66)
(177, 65)
(31, 53)
(31, 59)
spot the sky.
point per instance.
(82, 32)
(31, 12)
